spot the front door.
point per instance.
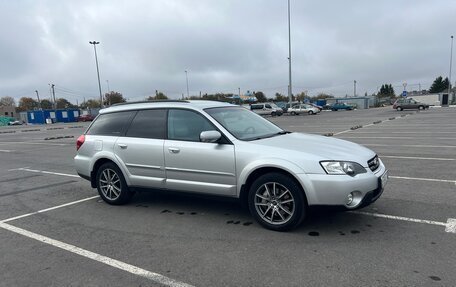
(192, 165)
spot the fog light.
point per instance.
(350, 198)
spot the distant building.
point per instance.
(8, 111)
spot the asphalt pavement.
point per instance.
(55, 231)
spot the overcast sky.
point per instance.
(224, 44)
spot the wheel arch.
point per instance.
(254, 174)
(99, 162)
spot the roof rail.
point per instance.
(151, 101)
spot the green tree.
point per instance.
(112, 98)
(62, 103)
(46, 104)
(280, 98)
(90, 104)
(7, 101)
(386, 91)
(260, 97)
(27, 104)
(439, 85)
(302, 96)
(158, 96)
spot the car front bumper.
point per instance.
(324, 189)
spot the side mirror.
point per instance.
(210, 136)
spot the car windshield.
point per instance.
(244, 124)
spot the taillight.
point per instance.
(80, 141)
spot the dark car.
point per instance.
(86, 118)
(341, 106)
(411, 104)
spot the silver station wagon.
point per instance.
(222, 149)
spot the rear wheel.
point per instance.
(111, 185)
(421, 108)
(311, 113)
(277, 202)
(293, 113)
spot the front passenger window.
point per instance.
(187, 125)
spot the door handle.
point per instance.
(173, 150)
(122, 146)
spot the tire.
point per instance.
(273, 114)
(399, 109)
(311, 113)
(281, 208)
(293, 113)
(335, 110)
(420, 108)
(111, 185)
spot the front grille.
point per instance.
(373, 163)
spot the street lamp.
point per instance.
(98, 71)
(451, 60)
(289, 56)
(186, 77)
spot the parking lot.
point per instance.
(56, 231)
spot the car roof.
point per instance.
(194, 104)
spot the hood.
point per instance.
(318, 147)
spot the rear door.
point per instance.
(141, 149)
(192, 165)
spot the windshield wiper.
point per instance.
(271, 135)
(283, 132)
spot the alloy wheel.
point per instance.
(274, 203)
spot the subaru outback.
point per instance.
(222, 149)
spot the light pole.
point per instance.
(451, 60)
(289, 56)
(186, 77)
(354, 88)
(98, 71)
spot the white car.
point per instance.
(303, 108)
(221, 149)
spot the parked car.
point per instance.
(86, 118)
(15, 123)
(266, 109)
(303, 108)
(222, 149)
(410, 103)
(341, 106)
(316, 106)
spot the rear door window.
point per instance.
(149, 124)
(112, 124)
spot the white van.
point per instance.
(266, 109)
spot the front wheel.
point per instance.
(277, 202)
(111, 185)
(399, 109)
(293, 113)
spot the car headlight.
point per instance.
(342, 167)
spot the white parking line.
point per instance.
(45, 172)
(414, 157)
(158, 278)
(450, 225)
(48, 209)
(36, 143)
(411, 145)
(423, 179)
(400, 138)
(6, 150)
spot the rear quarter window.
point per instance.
(112, 124)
